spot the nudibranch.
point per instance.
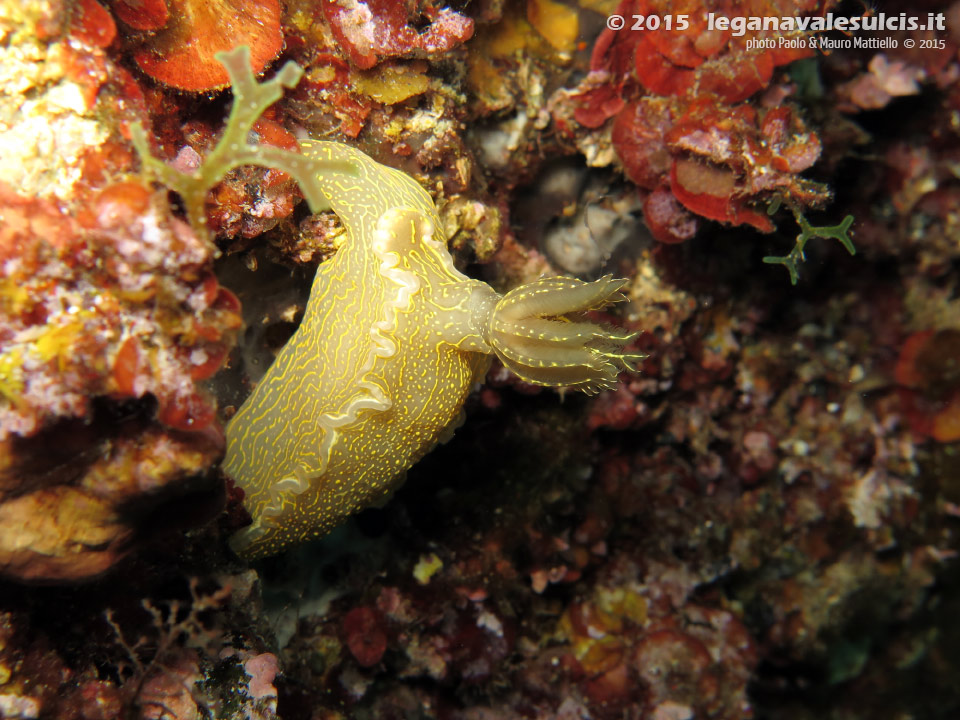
(392, 341)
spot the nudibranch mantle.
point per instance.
(380, 366)
(393, 337)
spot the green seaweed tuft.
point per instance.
(792, 260)
(251, 99)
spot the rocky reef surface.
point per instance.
(760, 523)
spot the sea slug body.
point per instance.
(393, 337)
(379, 367)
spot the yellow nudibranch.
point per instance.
(392, 341)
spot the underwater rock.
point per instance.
(759, 523)
(72, 514)
(371, 30)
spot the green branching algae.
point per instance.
(393, 337)
(792, 260)
(251, 99)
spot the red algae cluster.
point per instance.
(175, 41)
(181, 50)
(681, 128)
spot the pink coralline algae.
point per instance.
(884, 81)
